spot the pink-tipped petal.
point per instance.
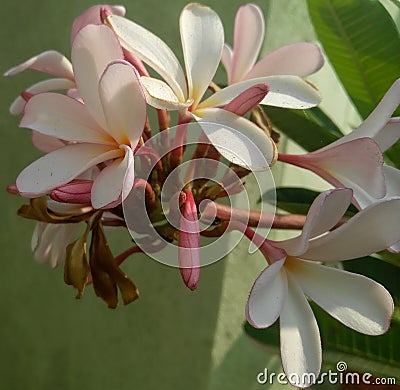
(76, 191)
(62, 117)
(46, 143)
(112, 182)
(324, 213)
(248, 38)
(202, 36)
(226, 59)
(360, 303)
(354, 164)
(297, 59)
(371, 230)
(267, 296)
(189, 242)
(93, 49)
(18, 105)
(123, 103)
(51, 62)
(93, 16)
(301, 351)
(61, 166)
(247, 100)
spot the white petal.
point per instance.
(389, 134)
(226, 59)
(284, 91)
(379, 117)
(151, 50)
(46, 143)
(202, 36)
(300, 340)
(237, 139)
(354, 164)
(297, 59)
(123, 103)
(160, 95)
(248, 38)
(61, 166)
(355, 300)
(392, 178)
(324, 213)
(51, 62)
(93, 49)
(267, 296)
(62, 117)
(65, 234)
(108, 185)
(371, 230)
(19, 103)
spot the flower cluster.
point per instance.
(104, 165)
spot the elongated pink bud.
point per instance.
(189, 241)
(247, 100)
(76, 191)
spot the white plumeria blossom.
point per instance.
(299, 59)
(202, 37)
(294, 272)
(104, 129)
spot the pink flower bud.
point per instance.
(76, 191)
(247, 100)
(189, 241)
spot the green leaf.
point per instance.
(362, 43)
(311, 129)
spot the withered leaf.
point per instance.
(106, 274)
(37, 210)
(76, 268)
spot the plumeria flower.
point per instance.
(355, 160)
(55, 63)
(49, 241)
(300, 59)
(294, 273)
(105, 129)
(202, 39)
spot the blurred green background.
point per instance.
(170, 338)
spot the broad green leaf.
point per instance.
(311, 129)
(362, 42)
